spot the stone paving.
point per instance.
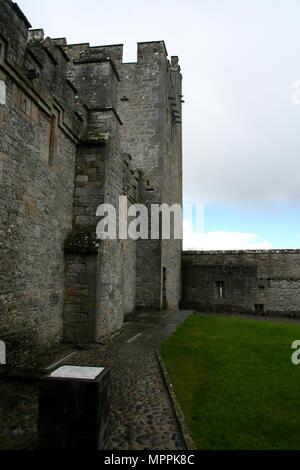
(142, 416)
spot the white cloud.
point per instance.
(221, 240)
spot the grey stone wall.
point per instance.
(103, 174)
(150, 98)
(172, 179)
(80, 297)
(129, 275)
(99, 179)
(36, 191)
(78, 128)
(265, 282)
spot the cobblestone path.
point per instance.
(141, 413)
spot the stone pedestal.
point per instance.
(74, 409)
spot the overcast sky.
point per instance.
(239, 60)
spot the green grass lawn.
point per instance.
(236, 383)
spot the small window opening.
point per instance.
(164, 290)
(25, 105)
(53, 140)
(149, 188)
(221, 289)
(259, 308)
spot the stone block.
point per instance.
(74, 409)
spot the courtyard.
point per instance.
(141, 416)
(236, 383)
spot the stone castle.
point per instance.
(79, 128)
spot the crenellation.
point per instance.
(15, 7)
(60, 41)
(114, 52)
(151, 50)
(36, 35)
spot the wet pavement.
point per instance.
(142, 416)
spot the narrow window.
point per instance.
(2, 52)
(164, 292)
(53, 140)
(149, 188)
(259, 308)
(221, 289)
(25, 105)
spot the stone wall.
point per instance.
(99, 180)
(150, 108)
(80, 297)
(38, 128)
(172, 180)
(79, 128)
(263, 282)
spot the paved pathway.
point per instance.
(142, 416)
(141, 413)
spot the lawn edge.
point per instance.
(188, 440)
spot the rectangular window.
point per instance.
(2, 52)
(259, 308)
(53, 140)
(220, 289)
(25, 105)
(149, 187)
(164, 292)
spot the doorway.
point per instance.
(164, 290)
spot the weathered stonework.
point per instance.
(150, 105)
(78, 128)
(36, 195)
(262, 282)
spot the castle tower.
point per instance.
(79, 128)
(150, 105)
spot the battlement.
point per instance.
(38, 70)
(146, 51)
(150, 49)
(36, 35)
(19, 13)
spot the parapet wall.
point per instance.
(265, 282)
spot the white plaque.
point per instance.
(2, 92)
(75, 372)
(2, 353)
